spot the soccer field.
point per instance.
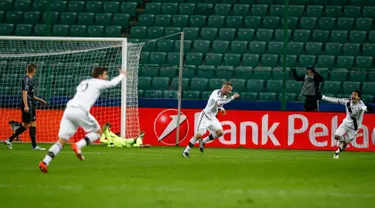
(161, 177)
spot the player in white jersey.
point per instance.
(352, 123)
(208, 120)
(77, 114)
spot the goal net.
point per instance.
(61, 64)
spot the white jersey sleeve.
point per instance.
(114, 82)
(341, 101)
(215, 102)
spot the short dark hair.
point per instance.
(99, 70)
(228, 83)
(31, 68)
(359, 93)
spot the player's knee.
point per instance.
(100, 132)
(62, 141)
(26, 125)
(198, 136)
(337, 137)
(219, 133)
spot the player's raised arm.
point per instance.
(342, 101)
(114, 82)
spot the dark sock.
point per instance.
(88, 142)
(17, 133)
(33, 135)
(211, 137)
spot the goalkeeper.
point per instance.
(112, 140)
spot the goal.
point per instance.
(61, 64)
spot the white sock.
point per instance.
(89, 138)
(52, 152)
(341, 148)
(191, 144)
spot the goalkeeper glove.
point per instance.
(111, 145)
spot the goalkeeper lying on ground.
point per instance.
(112, 140)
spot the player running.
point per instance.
(77, 114)
(208, 120)
(352, 123)
(112, 140)
(28, 109)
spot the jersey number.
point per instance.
(83, 87)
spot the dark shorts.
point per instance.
(28, 117)
(311, 103)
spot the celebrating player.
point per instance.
(208, 120)
(352, 123)
(77, 114)
(112, 140)
(28, 109)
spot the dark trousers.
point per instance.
(311, 103)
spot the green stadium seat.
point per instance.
(222, 9)
(363, 24)
(351, 49)
(171, 31)
(1, 16)
(295, 48)
(264, 73)
(220, 46)
(39, 30)
(153, 94)
(201, 46)
(371, 76)
(239, 47)
(84, 18)
(275, 47)
(185, 83)
(332, 87)
(325, 61)
(154, 32)
(333, 11)
(308, 23)
(279, 35)
(234, 21)
(253, 96)
(157, 57)
(144, 83)
(292, 23)
(194, 59)
(339, 75)
(169, 8)
(60, 30)
(357, 36)
(186, 8)
(371, 36)
(163, 20)
(173, 58)
(306, 60)
(208, 33)
(227, 34)
(225, 72)
(257, 47)
(191, 33)
(149, 46)
(345, 23)
(68, 18)
(358, 2)
(164, 45)
(368, 11)
(76, 6)
(368, 88)
(204, 9)
(301, 35)
(314, 10)
(264, 35)
(214, 84)
(320, 36)
(269, 60)
(24, 30)
(368, 99)
(238, 84)
(197, 21)
(138, 32)
(250, 60)
(170, 94)
(77, 31)
(290, 61)
(160, 83)
(319, 2)
(95, 31)
(58, 6)
(364, 62)
(152, 8)
(120, 19)
(368, 49)
(93, 6)
(112, 31)
(313, 48)
(128, 7)
(14, 17)
(296, 10)
(276, 10)
(51, 17)
(149, 71)
(191, 95)
(169, 72)
(289, 97)
(278, 74)
(255, 85)
(326, 23)
(271, 22)
(339, 36)
(232, 59)
(215, 21)
(141, 93)
(333, 49)
(323, 72)
(241, 10)
(30, 17)
(259, 10)
(213, 59)
(199, 84)
(267, 96)
(146, 19)
(253, 22)
(103, 19)
(187, 45)
(247, 34)
(352, 11)
(6, 5)
(111, 7)
(180, 20)
(345, 62)
(349, 86)
(243, 72)
(357, 76)
(38, 5)
(206, 94)
(293, 87)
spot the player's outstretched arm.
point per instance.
(334, 100)
(115, 81)
(40, 100)
(228, 100)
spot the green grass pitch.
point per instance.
(161, 177)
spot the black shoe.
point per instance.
(185, 155)
(201, 146)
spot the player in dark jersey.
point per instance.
(28, 109)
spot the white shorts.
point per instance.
(74, 118)
(347, 134)
(205, 123)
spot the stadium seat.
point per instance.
(225, 72)
(296, 10)
(271, 22)
(205, 71)
(275, 47)
(103, 19)
(292, 23)
(6, 5)
(111, 7)
(267, 96)
(93, 6)
(153, 94)
(77, 31)
(112, 31)
(243, 72)
(232, 59)
(191, 33)
(269, 60)
(213, 59)
(173, 58)
(215, 21)
(163, 20)
(308, 23)
(257, 47)
(314, 10)
(319, 2)
(264, 73)
(144, 83)
(180, 20)
(274, 86)
(152, 8)
(222, 9)
(332, 87)
(234, 21)
(301, 35)
(364, 62)
(192, 95)
(351, 49)
(238, 84)
(76, 6)
(158, 57)
(345, 23)
(358, 76)
(138, 32)
(293, 87)
(38, 5)
(251, 96)
(201, 46)
(264, 35)
(368, 12)
(40, 30)
(357, 36)
(306, 60)
(345, 62)
(358, 2)
(326, 23)
(313, 48)
(208, 33)
(255, 85)
(160, 83)
(169, 8)
(349, 86)
(368, 88)
(239, 47)
(185, 83)
(149, 71)
(250, 60)
(187, 45)
(368, 49)
(58, 6)
(164, 45)
(279, 35)
(194, 59)
(51, 17)
(85, 18)
(333, 49)
(219, 46)
(278, 74)
(170, 94)
(276, 10)
(227, 34)
(120, 19)
(291, 61)
(289, 97)
(371, 36)
(363, 24)
(339, 75)
(339, 36)
(204, 9)
(171, 31)
(253, 22)
(14, 17)
(68, 18)
(332, 11)
(154, 32)
(320, 36)
(241, 10)
(259, 10)
(325, 61)
(197, 20)
(199, 84)
(60, 30)
(247, 34)
(352, 11)
(95, 31)
(24, 30)
(128, 8)
(30, 17)
(295, 48)
(186, 8)
(214, 84)
(146, 19)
